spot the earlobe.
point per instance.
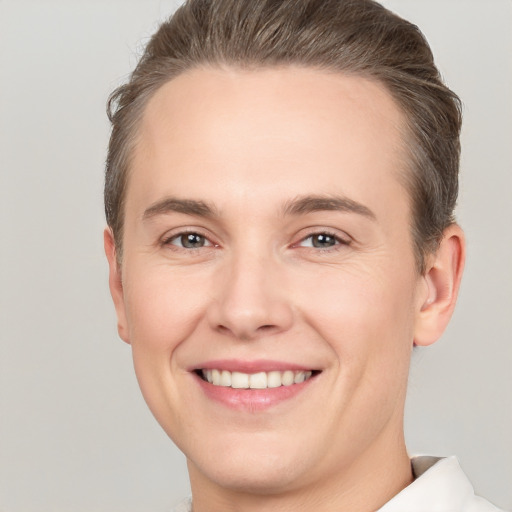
(442, 280)
(116, 284)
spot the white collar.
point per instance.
(439, 486)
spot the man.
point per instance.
(280, 188)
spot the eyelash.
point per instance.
(169, 239)
(338, 241)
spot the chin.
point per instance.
(252, 477)
(260, 470)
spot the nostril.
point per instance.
(245, 334)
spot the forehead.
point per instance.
(292, 127)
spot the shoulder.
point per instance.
(440, 485)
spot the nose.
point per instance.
(251, 299)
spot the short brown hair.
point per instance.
(351, 36)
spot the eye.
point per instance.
(189, 241)
(322, 241)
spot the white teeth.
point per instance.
(299, 377)
(260, 380)
(225, 378)
(287, 378)
(274, 379)
(216, 377)
(239, 380)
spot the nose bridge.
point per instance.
(251, 295)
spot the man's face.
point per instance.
(267, 240)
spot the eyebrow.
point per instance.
(298, 206)
(186, 206)
(316, 203)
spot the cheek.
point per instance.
(362, 314)
(163, 309)
(163, 306)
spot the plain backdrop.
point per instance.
(75, 434)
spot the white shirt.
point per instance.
(439, 486)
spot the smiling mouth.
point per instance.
(260, 380)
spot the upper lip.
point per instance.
(255, 366)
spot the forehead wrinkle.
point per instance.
(313, 203)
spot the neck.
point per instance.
(364, 485)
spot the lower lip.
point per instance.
(252, 400)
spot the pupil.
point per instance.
(192, 240)
(323, 241)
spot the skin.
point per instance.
(250, 144)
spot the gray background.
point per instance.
(75, 434)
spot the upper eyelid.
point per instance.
(339, 242)
(327, 233)
(173, 234)
(337, 234)
(341, 237)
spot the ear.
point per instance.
(116, 284)
(442, 280)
